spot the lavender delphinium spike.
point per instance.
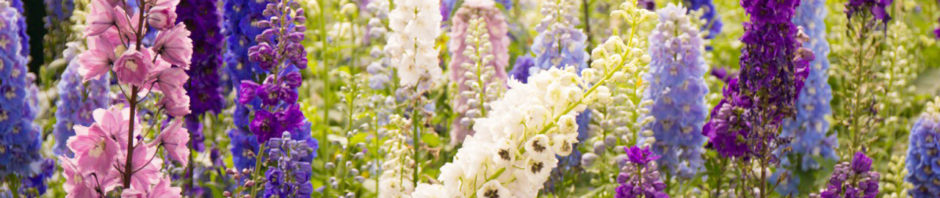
(923, 153)
(677, 89)
(808, 129)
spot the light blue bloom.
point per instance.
(77, 100)
(923, 155)
(19, 137)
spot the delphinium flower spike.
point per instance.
(20, 139)
(922, 153)
(204, 86)
(677, 89)
(559, 44)
(273, 102)
(479, 47)
(856, 179)
(239, 27)
(414, 28)
(808, 129)
(77, 100)
(118, 150)
(396, 179)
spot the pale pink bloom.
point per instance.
(97, 60)
(93, 148)
(114, 122)
(176, 105)
(175, 139)
(127, 24)
(175, 46)
(169, 81)
(161, 190)
(146, 163)
(100, 17)
(163, 14)
(133, 67)
(76, 184)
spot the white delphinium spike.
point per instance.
(397, 170)
(415, 25)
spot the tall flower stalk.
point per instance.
(479, 48)
(150, 79)
(20, 140)
(745, 125)
(922, 153)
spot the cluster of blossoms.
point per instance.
(280, 56)
(396, 178)
(415, 25)
(710, 15)
(21, 24)
(376, 32)
(20, 139)
(677, 90)
(290, 177)
(240, 28)
(807, 130)
(204, 86)
(479, 47)
(103, 159)
(852, 180)
(922, 154)
(745, 122)
(639, 178)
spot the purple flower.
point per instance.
(857, 8)
(640, 156)
(247, 91)
(264, 126)
(861, 163)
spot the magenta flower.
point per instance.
(100, 18)
(641, 156)
(133, 67)
(174, 138)
(247, 91)
(175, 46)
(163, 14)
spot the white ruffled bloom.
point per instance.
(415, 25)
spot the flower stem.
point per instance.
(128, 163)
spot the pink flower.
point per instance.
(170, 81)
(175, 139)
(76, 184)
(93, 148)
(100, 18)
(163, 14)
(96, 61)
(176, 105)
(114, 123)
(146, 163)
(133, 67)
(161, 190)
(175, 46)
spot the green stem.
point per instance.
(14, 184)
(257, 172)
(416, 139)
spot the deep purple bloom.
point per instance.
(247, 91)
(264, 126)
(520, 71)
(877, 9)
(647, 184)
(204, 87)
(773, 70)
(855, 180)
(861, 163)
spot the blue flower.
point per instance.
(710, 15)
(808, 129)
(240, 34)
(244, 148)
(520, 71)
(923, 154)
(677, 89)
(291, 175)
(19, 137)
(76, 102)
(21, 27)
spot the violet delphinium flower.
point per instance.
(520, 70)
(291, 175)
(773, 70)
(204, 86)
(852, 179)
(240, 15)
(923, 153)
(480, 53)
(21, 27)
(280, 55)
(638, 178)
(19, 138)
(677, 89)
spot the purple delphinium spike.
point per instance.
(852, 180)
(204, 87)
(638, 178)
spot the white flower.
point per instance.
(492, 189)
(415, 25)
(430, 191)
